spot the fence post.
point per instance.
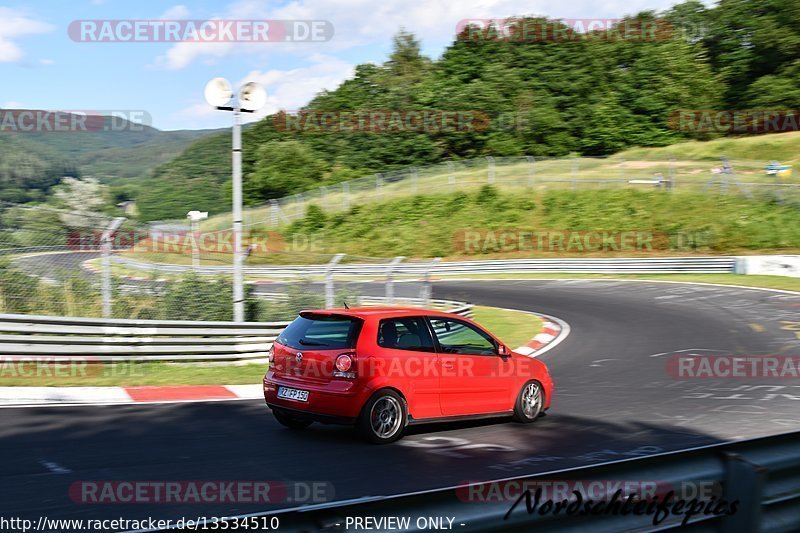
(491, 173)
(273, 213)
(323, 193)
(426, 291)
(346, 195)
(105, 243)
(329, 279)
(531, 170)
(389, 280)
(451, 174)
(744, 482)
(672, 180)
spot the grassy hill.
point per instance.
(689, 163)
(489, 223)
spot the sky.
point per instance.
(45, 66)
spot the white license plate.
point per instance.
(293, 394)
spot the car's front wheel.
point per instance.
(383, 418)
(530, 403)
(290, 421)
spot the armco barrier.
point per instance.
(661, 265)
(762, 474)
(108, 340)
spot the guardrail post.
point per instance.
(389, 280)
(379, 185)
(105, 243)
(414, 178)
(531, 170)
(426, 291)
(491, 173)
(329, 279)
(346, 195)
(744, 481)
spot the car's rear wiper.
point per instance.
(311, 343)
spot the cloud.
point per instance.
(179, 11)
(292, 89)
(13, 25)
(366, 22)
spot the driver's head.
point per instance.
(389, 333)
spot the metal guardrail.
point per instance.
(762, 474)
(113, 340)
(661, 265)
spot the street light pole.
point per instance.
(252, 97)
(238, 288)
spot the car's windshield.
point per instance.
(327, 332)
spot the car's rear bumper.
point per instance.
(338, 402)
(316, 417)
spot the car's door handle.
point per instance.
(447, 364)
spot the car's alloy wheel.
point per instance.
(383, 417)
(529, 403)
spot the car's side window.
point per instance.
(405, 333)
(459, 337)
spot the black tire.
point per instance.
(530, 403)
(290, 421)
(383, 417)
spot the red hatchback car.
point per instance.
(382, 369)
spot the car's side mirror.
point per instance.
(502, 351)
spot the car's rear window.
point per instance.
(321, 332)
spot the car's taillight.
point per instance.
(271, 356)
(344, 367)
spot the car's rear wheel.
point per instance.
(383, 418)
(290, 421)
(530, 403)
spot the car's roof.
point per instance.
(380, 312)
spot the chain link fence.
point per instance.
(49, 265)
(530, 175)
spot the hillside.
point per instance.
(586, 95)
(31, 162)
(689, 163)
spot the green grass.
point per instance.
(434, 225)
(515, 328)
(133, 374)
